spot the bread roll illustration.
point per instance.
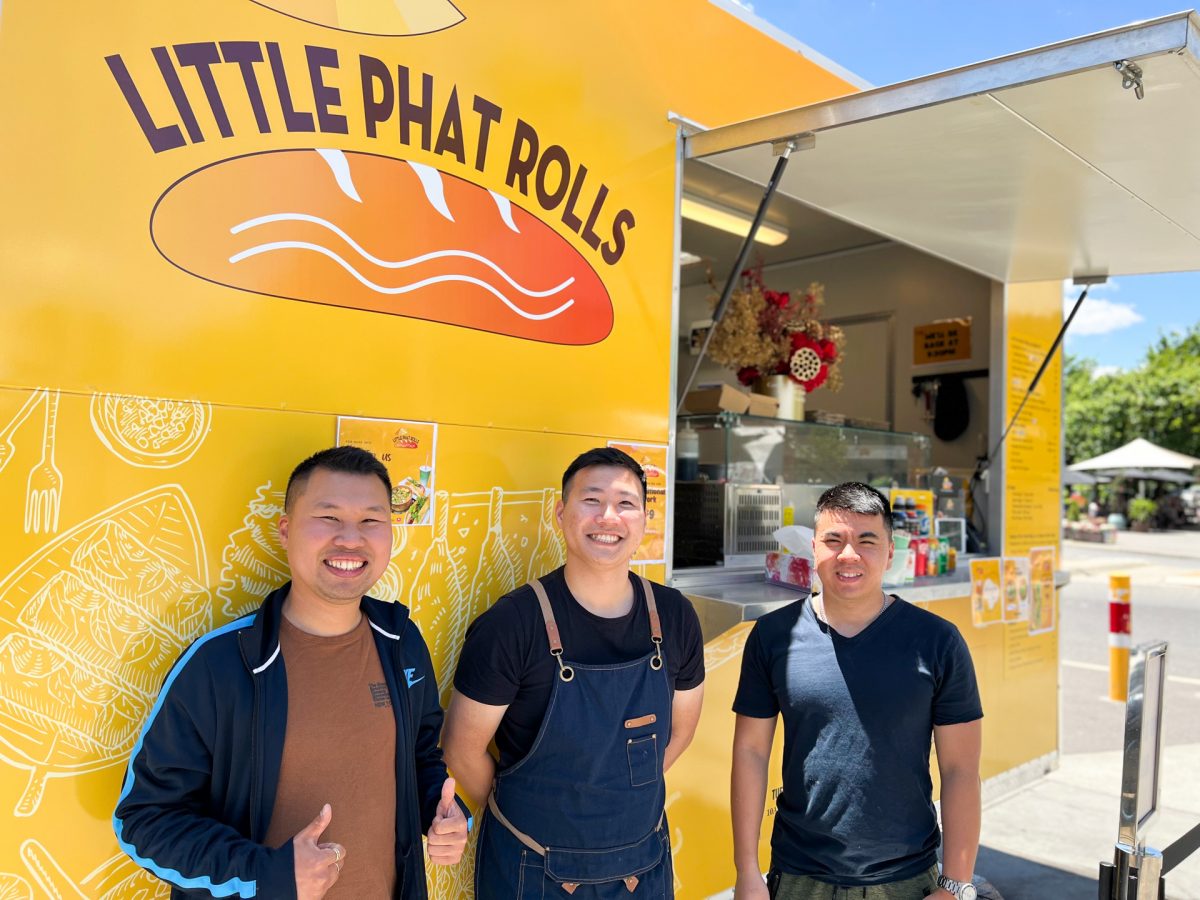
(384, 235)
(381, 17)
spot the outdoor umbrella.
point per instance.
(1137, 454)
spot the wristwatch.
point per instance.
(961, 890)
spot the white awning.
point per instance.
(1031, 167)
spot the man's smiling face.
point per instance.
(602, 516)
(338, 537)
(852, 552)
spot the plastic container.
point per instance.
(896, 573)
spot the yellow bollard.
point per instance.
(1119, 616)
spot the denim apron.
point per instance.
(582, 813)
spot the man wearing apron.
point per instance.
(590, 680)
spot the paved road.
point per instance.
(1045, 841)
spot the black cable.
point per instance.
(985, 462)
(736, 272)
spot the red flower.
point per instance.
(747, 375)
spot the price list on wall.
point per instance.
(1033, 450)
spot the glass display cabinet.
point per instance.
(750, 471)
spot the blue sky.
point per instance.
(885, 41)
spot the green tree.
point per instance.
(1158, 401)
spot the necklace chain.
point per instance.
(819, 609)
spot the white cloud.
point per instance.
(1101, 371)
(1100, 316)
(745, 4)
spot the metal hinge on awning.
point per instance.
(1131, 77)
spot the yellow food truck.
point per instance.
(454, 233)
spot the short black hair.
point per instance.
(603, 456)
(351, 460)
(856, 497)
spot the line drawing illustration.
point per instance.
(442, 580)
(14, 887)
(7, 447)
(96, 618)
(548, 553)
(117, 878)
(149, 432)
(43, 492)
(253, 562)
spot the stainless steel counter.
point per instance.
(724, 598)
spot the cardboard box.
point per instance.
(763, 405)
(716, 399)
(789, 570)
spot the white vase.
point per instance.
(791, 396)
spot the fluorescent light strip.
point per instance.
(726, 219)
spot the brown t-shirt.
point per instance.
(340, 749)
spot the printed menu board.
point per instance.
(408, 449)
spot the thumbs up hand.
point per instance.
(317, 865)
(448, 833)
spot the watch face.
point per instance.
(968, 892)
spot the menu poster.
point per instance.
(985, 593)
(408, 450)
(1016, 589)
(653, 460)
(1043, 608)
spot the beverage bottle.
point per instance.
(952, 559)
(931, 566)
(943, 558)
(687, 453)
(921, 557)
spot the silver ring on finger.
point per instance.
(337, 855)
(338, 865)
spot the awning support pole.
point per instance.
(987, 460)
(736, 272)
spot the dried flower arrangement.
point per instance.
(766, 332)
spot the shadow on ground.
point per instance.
(1020, 879)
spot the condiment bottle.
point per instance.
(687, 452)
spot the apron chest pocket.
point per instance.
(643, 760)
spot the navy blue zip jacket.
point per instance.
(200, 788)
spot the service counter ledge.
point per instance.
(724, 598)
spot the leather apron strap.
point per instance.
(631, 882)
(565, 672)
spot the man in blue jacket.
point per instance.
(294, 752)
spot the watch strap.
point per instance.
(954, 887)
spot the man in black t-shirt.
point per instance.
(862, 681)
(590, 681)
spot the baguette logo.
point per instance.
(384, 235)
(384, 18)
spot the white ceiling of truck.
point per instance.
(1036, 166)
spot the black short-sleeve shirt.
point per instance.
(858, 718)
(506, 659)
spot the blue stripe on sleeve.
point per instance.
(234, 887)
